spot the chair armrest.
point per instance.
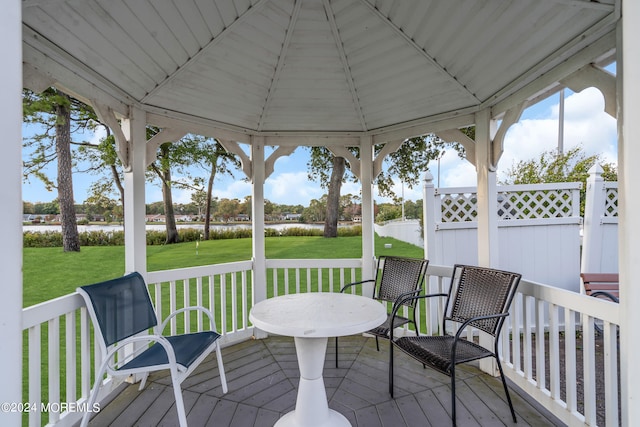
(355, 283)
(206, 311)
(399, 302)
(171, 356)
(464, 325)
(405, 297)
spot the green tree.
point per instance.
(103, 157)
(407, 164)
(210, 155)
(162, 168)
(57, 117)
(549, 166)
(229, 209)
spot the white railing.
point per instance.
(542, 318)
(59, 333)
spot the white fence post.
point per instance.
(430, 215)
(592, 231)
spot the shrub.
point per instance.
(48, 239)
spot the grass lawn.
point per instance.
(50, 273)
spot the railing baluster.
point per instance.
(611, 373)
(199, 301)
(540, 356)
(223, 302)
(172, 306)
(54, 368)
(234, 303)
(186, 301)
(71, 352)
(589, 369)
(570, 360)
(554, 352)
(35, 373)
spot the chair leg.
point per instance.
(391, 368)
(506, 390)
(94, 394)
(336, 352)
(377, 345)
(177, 391)
(453, 395)
(223, 377)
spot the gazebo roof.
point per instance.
(339, 67)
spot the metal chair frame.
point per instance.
(491, 293)
(396, 279)
(123, 315)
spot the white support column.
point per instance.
(11, 212)
(628, 73)
(135, 237)
(487, 203)
(487, 191)
(366, 178)
(257, 215)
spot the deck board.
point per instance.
(263, 376)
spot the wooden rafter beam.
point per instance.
(213, 42)
(419, 49)
(281, 58)
(345, 64)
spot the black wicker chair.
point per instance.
(478, 297)
(396, 278)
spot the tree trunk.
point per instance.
(333, 198)
(119, 186)
(207, 210)
(170, 217)
(70, 238)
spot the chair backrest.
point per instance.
(478, 291)
(121, 307)
(398, 276)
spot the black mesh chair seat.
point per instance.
(436, 351)
(383, 330)
(396, 278)
(478, 297)
(187, 348)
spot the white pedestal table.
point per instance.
(311, 319)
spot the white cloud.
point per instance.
(586, 125)
(292, 188)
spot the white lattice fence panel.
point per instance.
(535, 204)
(459, 207)
(543, 201)
(611, 202)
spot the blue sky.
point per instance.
(585, 124)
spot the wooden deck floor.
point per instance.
(263, 376)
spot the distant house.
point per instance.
(291, 216)
(243, 217)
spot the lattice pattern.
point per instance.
(611, 202)
(459, 207)
(534, 204)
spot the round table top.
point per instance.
(315, 315)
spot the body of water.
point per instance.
(161, 227)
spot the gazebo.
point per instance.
(335, 73)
